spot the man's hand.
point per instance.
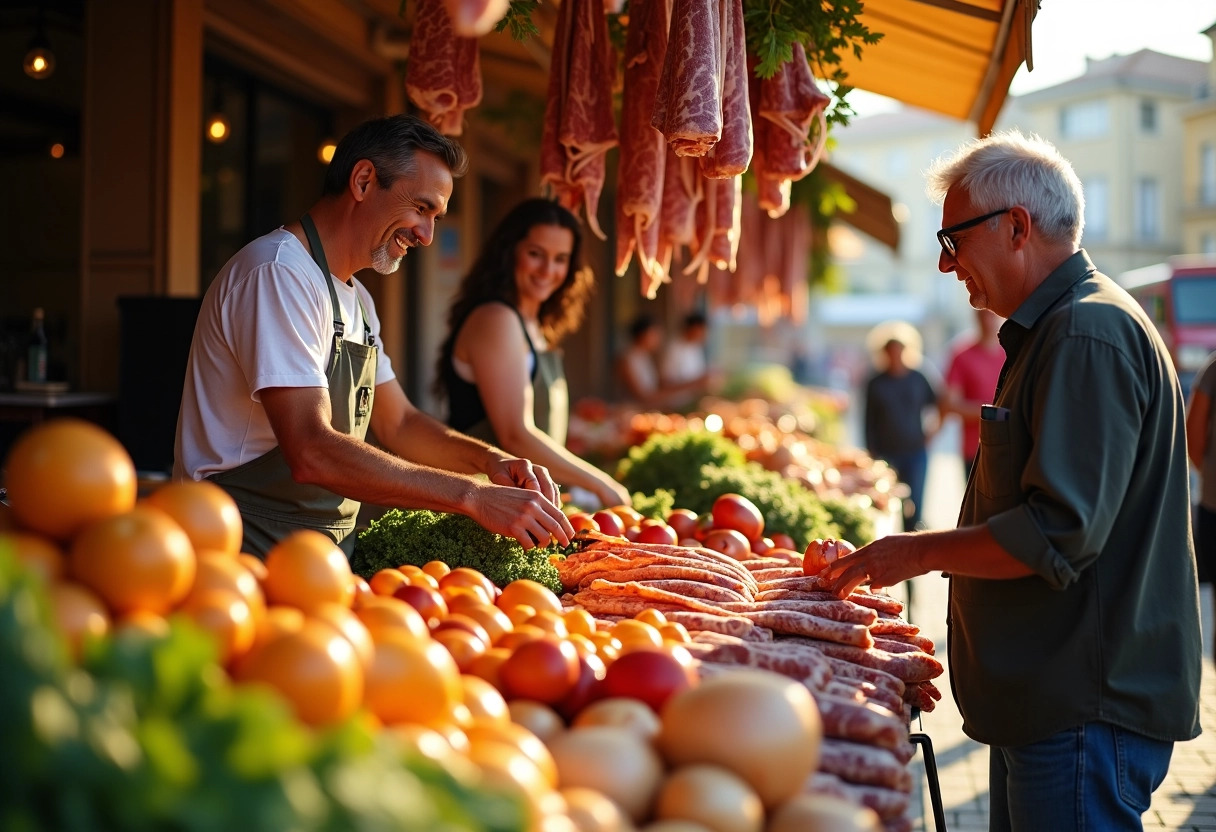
(521, 473)
(522, 513)
(883, 563)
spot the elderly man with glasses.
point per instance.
(1074, 643)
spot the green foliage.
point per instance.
(417, 537)
(674, 461)
(150, 735)
(656, 506)
(518, 20)
(825, 28)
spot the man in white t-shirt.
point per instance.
(684, 359)
(285, 376)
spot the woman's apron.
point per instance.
(550, 396)
(273, 504)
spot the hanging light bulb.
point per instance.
(326, 151)
(57, 150)
(39, 60)
(218, 128)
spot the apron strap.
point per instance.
(318, 257)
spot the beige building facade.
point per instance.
(1199, 166)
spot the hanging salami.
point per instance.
(443, 74)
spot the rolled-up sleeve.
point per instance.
(1084, 422)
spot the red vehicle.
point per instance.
(1180, 298)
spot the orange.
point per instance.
(550, 622)
(348, 625)
(456, 595)
(423, 580)
(673, 631)
(411, 680)
(36, 553)
(314, 668)
(483, 699)
(487, 665)
(226, 616)
(579, 621)
(224, 573)
(382, 614)
(67, 473)
(536, 595)
(463, 646)
(584, 645)
(143, 622)
(255, 565)
(436, 569)
(522, 634)
(630, 631)
(305, 569)
(503, 730)
(363, 591)
(208, 515)
(652, 617)
(464, 576)
(278, 621)
(517, 613)
(79, 613)
(387, 581)
(140, 560)
(505, 768)
(491, 618)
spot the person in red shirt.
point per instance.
(971, 377)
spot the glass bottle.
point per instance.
(36, 352)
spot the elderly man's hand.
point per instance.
(521, 473)
(883, 563)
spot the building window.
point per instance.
(1148, 209)
(1097, 208)
(1148, 116)
(1087, 120)
(1207, 174)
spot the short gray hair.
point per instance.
(1009, 168)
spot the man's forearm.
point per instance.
(425, 440)
(970, 551)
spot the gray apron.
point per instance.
(550, 397)
(273, 504)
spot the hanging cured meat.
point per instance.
(733, 151)
(773, 259)
(717, 227)
(579, 127)
(443, 74)
(643, 149)
(788, 105)
(688, 107)
(474, 18)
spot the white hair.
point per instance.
(1009, 168)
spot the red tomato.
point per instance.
(609, 523)
(684, 521)
(705, 525)
(581, 520)
(729, 542)
(734, 511)
(781, 540)
(588, 688)
(652, 676)
(762, 545)
(545, 669)
(458, 621)
(656, 531)
(428, 602)
(632, 532)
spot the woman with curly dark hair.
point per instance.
(499, 367)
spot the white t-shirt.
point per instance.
(683, 361)
(266, 321)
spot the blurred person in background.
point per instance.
(637, 370)
(684, 358)
(500, 367)
(1201, 448)
(898, 401)
(971, 376)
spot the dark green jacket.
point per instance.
(1083, 479)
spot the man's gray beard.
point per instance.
(383, 262)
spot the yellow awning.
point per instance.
(955, 57)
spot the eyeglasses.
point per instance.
(947, 242)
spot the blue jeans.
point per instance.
(911, 467)
(1094, 778)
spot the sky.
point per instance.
(1065, 32)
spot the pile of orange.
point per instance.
(433, 654)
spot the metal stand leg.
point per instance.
(935, 789)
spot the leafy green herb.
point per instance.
(674, 460)
(518, 20)
(417, 537)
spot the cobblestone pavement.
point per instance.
(1185, 801)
